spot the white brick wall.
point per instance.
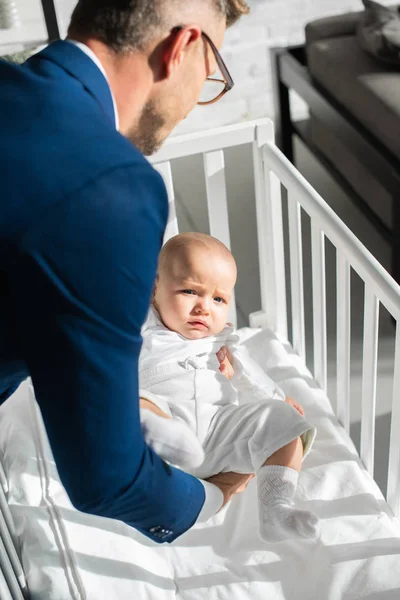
(246, 52)
(31, 29)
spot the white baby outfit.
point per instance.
(240, 422)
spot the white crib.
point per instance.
(358, 555)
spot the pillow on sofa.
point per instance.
(378, 32)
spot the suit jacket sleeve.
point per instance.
(85, 278)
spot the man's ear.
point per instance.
(180, 43)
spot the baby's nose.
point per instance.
(203, 306)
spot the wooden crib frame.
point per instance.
(272, 170)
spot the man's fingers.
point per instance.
(245, 484)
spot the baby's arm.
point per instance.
(148, 405)
(251, 381)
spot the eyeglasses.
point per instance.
(215, 88)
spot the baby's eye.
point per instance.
(189, 292)
(219, 300)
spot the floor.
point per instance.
(192, 216)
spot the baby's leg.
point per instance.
(277, 482)
(264, 438)
(171, 439)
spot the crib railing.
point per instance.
(272, 171)
(379, 288)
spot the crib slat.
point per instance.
(5, 593)
(3, 479)
(5, 536)
(393, 489)
(369, 375)
(296, 275)
(343, 333)
(270, 237)
(6, 512)
(9, 575)
(172, 225)
(319, 305)
(214, 171)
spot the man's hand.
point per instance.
(230, 483)
(225, 358)
(295, 405)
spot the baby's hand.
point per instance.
(225, 358)
(295, 405)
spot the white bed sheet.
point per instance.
(67, 554)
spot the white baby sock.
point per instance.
(279, 520)
(172, 440)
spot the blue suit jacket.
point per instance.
(82, 215)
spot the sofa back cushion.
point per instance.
(378, 32)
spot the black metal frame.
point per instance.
(50, 16)
(290, 73)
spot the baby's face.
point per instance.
(193, 294)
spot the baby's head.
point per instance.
(195, 281)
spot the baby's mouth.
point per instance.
(198, 324)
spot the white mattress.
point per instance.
(67, 554)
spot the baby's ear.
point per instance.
(154, 289)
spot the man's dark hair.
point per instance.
(126, 25)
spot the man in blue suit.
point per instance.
(82, 217)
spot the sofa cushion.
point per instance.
(378, 32)
(368, 89)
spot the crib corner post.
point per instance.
(270, 236)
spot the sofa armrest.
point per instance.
(329, 27)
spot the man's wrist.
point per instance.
(212, 503)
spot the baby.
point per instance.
(215, 424)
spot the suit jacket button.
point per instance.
(155, 529)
